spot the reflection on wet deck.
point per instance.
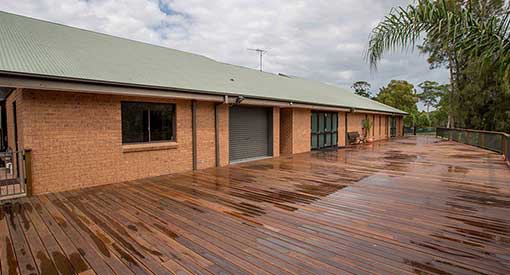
(408, 206)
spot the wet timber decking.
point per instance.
(408, 206)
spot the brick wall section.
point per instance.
(400, 126)
(341, 129)
(286, 131)
(295, 130)
(276, 131)
(206, 140)
(386, 128)
(354, 122)
(223, 116)
(76, 138)
(76, 141)
(378, 132)
(371, 118)
(378, 127)
(301, 124)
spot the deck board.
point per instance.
(416, 205)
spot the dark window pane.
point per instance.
(335, 122)
(328, 140)
(161, 121)
(321, 123)
(135, 127)
(327, 124)
(314, 141)
(314, 122)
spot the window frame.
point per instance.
(148, 104)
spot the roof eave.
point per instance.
(48, 82)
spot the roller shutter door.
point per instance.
(249, 133)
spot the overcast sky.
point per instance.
(322, 40)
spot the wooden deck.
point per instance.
(409, 206)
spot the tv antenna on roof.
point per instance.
(261, 53)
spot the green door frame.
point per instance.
(324, 130)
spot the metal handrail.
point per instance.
(495, 141)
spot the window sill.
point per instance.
(155, 146)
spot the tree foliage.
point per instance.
(469, 37)
(432, 92)
(361, 88)
(401, 95)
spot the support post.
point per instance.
(28, 171)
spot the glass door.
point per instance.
(324, 130)
(393, 130)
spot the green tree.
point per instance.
(455, 31)
(401, 95)
(422, 120)
(431, 94)
(361, 88)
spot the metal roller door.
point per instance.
(250, 133)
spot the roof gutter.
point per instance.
(283, 104)
(376, 113)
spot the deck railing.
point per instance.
(494, 141)
(15, 174)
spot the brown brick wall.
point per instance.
(400, 126)
(76, 138)
(206, 140)
(380, 125)
(276, 131)
(286, 131)
(223, 130)
(354, 122)
(76, 141)
(341, 129)
(301, 125)
(295, 131)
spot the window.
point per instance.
(147, 122)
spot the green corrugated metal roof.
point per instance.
(38, 47)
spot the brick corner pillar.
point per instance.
(276, 131)
(294, 131)
(223, 139)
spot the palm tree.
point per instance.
(458, 29)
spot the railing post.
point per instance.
(506, 149)
(28, 171)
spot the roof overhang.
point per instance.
(26, 82)
(38, 82)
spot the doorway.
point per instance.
(393, 129)
(324, 130)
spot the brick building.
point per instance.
(96, 109)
